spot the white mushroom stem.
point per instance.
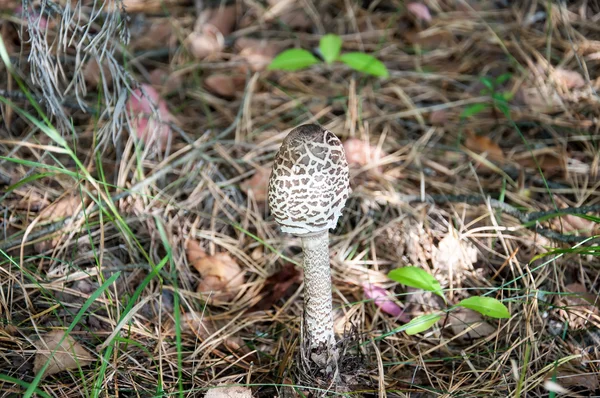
(318, 319)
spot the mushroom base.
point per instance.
(318, 318)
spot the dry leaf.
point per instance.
(484, 145)
(69, 354)
(229, 392)
(438, 118)
(257, 53)
(454, 256)
(211, 27)
(258, 184)
(465, 319)
(420, 11)
(145, 124)
(383, 300)
(154, 33)
(587, 380)
(64, 207)
(276, 287)
(148, 6)
(361, 153)
(578, 305)
(221, 275)
(93, 76)
(225, 85)
(568, 79)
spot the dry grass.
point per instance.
(133, 208)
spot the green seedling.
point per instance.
(498, 99)
(420, 279)
(330, 47)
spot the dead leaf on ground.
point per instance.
(229, 392)
(484, 145)
(361, 153)
(568, 79)
(276, 287)
(154, 33)
(587, 380)
(146, 125)
(288, 13)
(420, 11)
(439, 117)
(69, 354)
(384, 301)
(465, 319)
(580, 306)
(93, 75)
(258, 54)
(64, 207)
(454, 254)
(258, 184)
(225, 85)
(211, 28)
(149, 6)
(551, 162)
(221, 274)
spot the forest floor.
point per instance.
(145, 243)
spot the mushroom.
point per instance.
(308, 188)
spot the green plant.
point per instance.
(420, 279)
(499, 99)
(330, 46)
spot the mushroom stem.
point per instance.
(318, 317)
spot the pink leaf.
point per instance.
(420, 11)
(382, 300)
(145, 124)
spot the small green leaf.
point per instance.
(487, 306)
(365, 63)
(487, 82)
(416, 277)
(330, 46)
(473, 110)
(421, 323)
(503, 78)
(293, 59)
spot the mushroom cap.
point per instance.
(309, 183)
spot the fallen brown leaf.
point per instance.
(484, 145)
(471, 321)
(276, 287)
(64, 207)
(569, 379)
(258, 54)
(579, 306)
(258, 184)
(211, 27)
(568, 79)
(221, 275)
(146, 126)
(225, 85)
(361, 153)
(420, 11)
(69, 354)
(229, 392)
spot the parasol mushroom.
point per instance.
(308, 188)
